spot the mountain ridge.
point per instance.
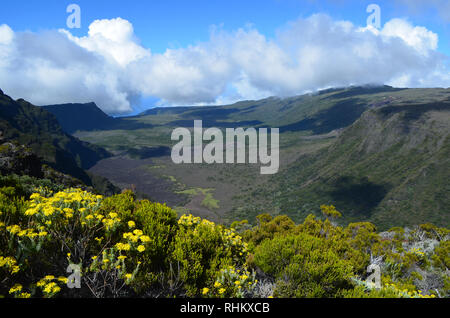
(40, 130)
(391, 165)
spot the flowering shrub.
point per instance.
(232, 283)
(57, 230)
(125, 247)
(203, 248)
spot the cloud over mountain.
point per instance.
(111, 67)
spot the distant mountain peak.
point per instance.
(80, 116)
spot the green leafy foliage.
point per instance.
(128, 247)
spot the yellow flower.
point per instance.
(121, 257)
(128, 276)
(51, 288)
(237, 282)
(15, 288)
(49, 277)
(131, 224)
(35, 196)
(144, 238)
(217, 284)
(137, 232)
(221, 291)
(68, 210)
(15, 269)
(13, 229)
(113, 215)
(205, 291)
(123, 247)
(31, 212)
(134, 238)
(62, 279)
(141, 248)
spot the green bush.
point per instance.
(304, 266)
(203, 249)
(127, 247)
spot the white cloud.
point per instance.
(113, 39)
(418, 37)
(110, 66)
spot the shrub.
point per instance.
(203, 249)
(303, 266)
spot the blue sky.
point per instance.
(205, 67)
(160, 24)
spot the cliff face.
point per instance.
(39, 130)
(19, 160)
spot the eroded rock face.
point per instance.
(20, 160)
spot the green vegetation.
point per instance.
(379, 153)
(208, 201)
(390, 168)
(127, 247)
(39, 130)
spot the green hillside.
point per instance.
(390, 167)
(379, 153)
(38, 129)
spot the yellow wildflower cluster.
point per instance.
(71, 204)
(49, 285)
(16, 288)
(405, 293)
(135, 240)
(112, 262)
(10, 264)
(62, 203)
(111, 221)
(230, 238)
(231, 282)
(30, 233)
(189, 220)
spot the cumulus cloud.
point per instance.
(49, 68)
(110, 66)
